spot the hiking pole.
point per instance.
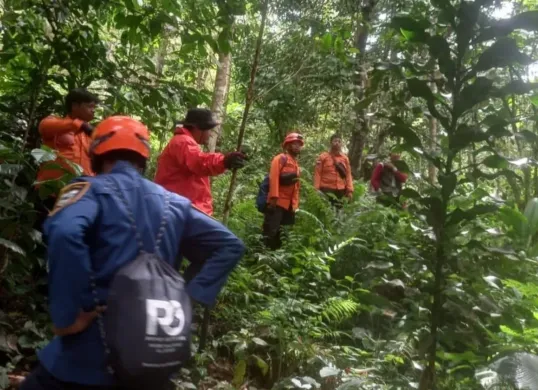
(248, 102)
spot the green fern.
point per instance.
(338, 309)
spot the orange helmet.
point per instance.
(120, 133)
(291, 137)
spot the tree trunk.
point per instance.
(360, 128)
(218, 104)
(161, 53)
(248, 102)
(432, 171)
(200, 79)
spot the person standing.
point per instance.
(332, 175)
(69, 137)
(89, 235)
(184, 168)
(284, 187)
(387, 181)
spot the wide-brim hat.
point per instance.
(202, 118)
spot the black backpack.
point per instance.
(146, 328)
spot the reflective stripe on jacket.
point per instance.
(184, 168)
(65, 137)
(326, 175)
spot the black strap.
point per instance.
(132, 219)
(158, 239)
(336, 169)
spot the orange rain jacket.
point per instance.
(184, 169)
(287, 195)
(326, 175)
(64, 136)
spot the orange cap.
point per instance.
(291, 137)
(120, 133)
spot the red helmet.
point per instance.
(291, 137)
(120, 133)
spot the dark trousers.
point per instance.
(41, 379)
(334, 196)
(274, 218)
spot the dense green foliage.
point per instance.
(366, 298)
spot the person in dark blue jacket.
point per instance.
(89, 230)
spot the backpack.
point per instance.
(146, 328)
(263, 189)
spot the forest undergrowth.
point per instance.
(441, 295)
(345, 304)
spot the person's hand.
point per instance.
(349, 195)
(87, 128)
(272, 203)
(83, 321)
(234, 160)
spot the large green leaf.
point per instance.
(527, 135)
(402, 166)
(478, 174)
(496, 161)
(239, 373)
(459, 215)
(420, 88)
(516, 87)
(514, 219)
(440, 49)
(531, 214)
(407, 134)
(409, 193)
(518, 369)
(12, 246)
(502, 53)
(473, 94)
(464, 136)
(413, 30)
(499, 130)
(523, 21)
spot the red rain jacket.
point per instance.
(184, 169)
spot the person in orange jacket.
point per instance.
(332, 175)
(184, 169)
(284, 187)
(70, 138)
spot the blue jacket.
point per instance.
(94, 234)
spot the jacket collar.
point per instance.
(125, 166)
(183, 130)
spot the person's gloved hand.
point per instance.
(234, 160)
(87, 128)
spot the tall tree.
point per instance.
(361, 122)
(220, 91)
